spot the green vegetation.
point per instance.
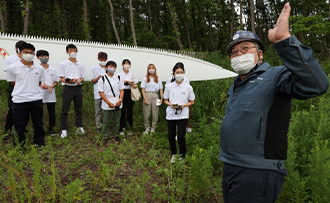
(82, 169)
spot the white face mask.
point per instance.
(73, 55)
(179, 77)
(152, 71)
(28, 57)
(127, 67)
(102, 63)
(243, 64)
(111, 70)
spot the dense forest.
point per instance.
(195, 25)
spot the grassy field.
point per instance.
(80, 168)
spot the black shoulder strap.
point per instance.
(110, 86)
(103, 78)
(119, 77)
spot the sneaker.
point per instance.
(64, 133)
(80, 131)
(176, 137)
(51, 132)
(146, 132)
(121, 133)
(116, 139)
(105, 141)
(129, 133)
(173, 159)
(40, 145)
(152, 130)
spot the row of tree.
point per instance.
(199, 25)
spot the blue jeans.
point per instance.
(246, 185)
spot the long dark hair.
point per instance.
(177, 66)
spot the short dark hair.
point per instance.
(102, 55)
(111, 63)
(42, 53)
(71, 46)
(26, 46)
(19, 43)
(126, 60)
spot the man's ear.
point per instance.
(261, 54)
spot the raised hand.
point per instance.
(281, 30)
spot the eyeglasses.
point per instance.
(242, 49)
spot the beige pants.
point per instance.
(151, 107)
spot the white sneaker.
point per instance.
(173, 159)
(146, 132)
(80, 131)
(152, 130)
(64, 133)
(176, 137)
(121, 133)
(129, 133)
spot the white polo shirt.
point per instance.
(96, 71)
(68, 69)
(117, 85)
(151, 86)
(178, 94)
(26, 81)
(185, 79)
(10, 60)
(50, 78)
(128, 77)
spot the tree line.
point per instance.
(196, 25)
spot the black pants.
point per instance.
(171, 126)
(126, 111)
(9, 120)
(20, 113)
(51, 114)
(241, 184)
(75, 94)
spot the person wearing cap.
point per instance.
(9, 60)
(26, 77)
(254, 129)
(72, 74)
(97, 72)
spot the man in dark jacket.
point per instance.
(254, 129)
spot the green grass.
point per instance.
(80, 168)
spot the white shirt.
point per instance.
(178, 94)
(185, 79)
(50, 78)
(128, 77)
(151, 86)
(68, 69)
(26, 81)
(96, 71)
(117, 85)
(10, 60)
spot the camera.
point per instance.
(67, 79)
(117, 108)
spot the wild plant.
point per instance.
(73, 191)
(104, 170)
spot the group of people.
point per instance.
(254, 129)
(32, 84)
